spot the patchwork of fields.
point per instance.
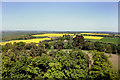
(67, 45)
(51, 35)
(26, 41)
(48, 36)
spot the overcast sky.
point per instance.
(60, 16)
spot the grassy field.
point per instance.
(41, 36)
(114, 59)
(105, 40)
(93, 40)
(109, 40)
(18, 33)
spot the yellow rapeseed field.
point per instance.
(94, 34)
(91, 37)
(51, 35)
(27, 41)
(36, 40)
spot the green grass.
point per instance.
(41, 36)
(109, 40)
(93, 40)
(106, 40)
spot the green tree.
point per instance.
(78, 41)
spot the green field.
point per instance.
(106, 40)
(41, 36)
(109, 40)
(93, 40)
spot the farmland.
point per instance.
(45, 36)
(94, 34)
(110, 40)
(60, 55)
(69, 40)
(26, 41)
(41, 37)
(106, 40)
(51, 35)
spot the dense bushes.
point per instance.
(21, 65)
(48, 60)
(53, 64)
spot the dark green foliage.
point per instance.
(78, 41)
(22, 65)
(65, 37)
(58, 45)
(30, 45)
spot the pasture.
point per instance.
(109, 40)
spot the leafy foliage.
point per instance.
(101, 67)
(29, 61)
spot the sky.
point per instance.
(60, 16)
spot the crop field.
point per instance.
(48, 36)
(51, 35)
(91, 37)
(93, 40)
(42, 37)
(27, 41)
(109, 40)
(105, 40)
(94, 34)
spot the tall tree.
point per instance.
(78, 41)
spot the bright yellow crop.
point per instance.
(36, 40)
(90, 37)
(51, 35)
(27, 41)
(94, 34)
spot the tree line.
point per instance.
(79, 42)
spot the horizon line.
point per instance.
(61, 31)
